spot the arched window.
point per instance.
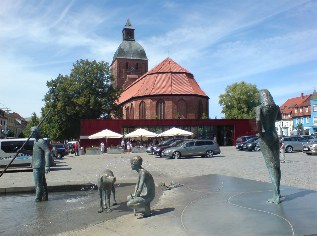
(200, 109)
(181, 109)
(131, 112)
(142, 110)
(160, 109)
(137, 66)
(127, 65)
(127, 115)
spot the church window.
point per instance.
(131, 112)
(142, 110)
(127, 115)
(200, 109)
(160, 109)
(181, 109)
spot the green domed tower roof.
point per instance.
(129, 48)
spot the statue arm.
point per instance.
(279, 114)
(140, 185)
(47, 154)
(258, 119)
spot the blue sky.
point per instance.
(269, 43)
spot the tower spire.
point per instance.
(128, 31)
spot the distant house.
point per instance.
(299, 115)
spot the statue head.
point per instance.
(136, 162)
(266, 97)
(35, 132)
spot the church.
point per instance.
(168, 91)
(161, 98)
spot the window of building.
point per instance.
(315, 108)
(137, 66)
(300, 109)
(200, 109)
(306, 109)
(142, 110)
(315, 119)
(181, 109)
(307, 120)
(295, 110)
(127, 65)
(160, 109)
(131, 112)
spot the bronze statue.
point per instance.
(144, 190)
(105, 183)
(40, 165)
(266, 115)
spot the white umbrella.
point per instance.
(175, 132)
(139, 133)
(106, 133)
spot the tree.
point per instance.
(33, 122)
(86, 93)
(239, 101)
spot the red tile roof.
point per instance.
(164, 79)
(297, 102)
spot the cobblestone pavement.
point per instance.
(300, 170)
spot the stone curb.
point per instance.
(54, 188)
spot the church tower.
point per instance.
(129, 62)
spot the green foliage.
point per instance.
(239, 101)
(33, 122)
(86, 93)
(204, 116)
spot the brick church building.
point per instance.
(166, 96)
(168, 91)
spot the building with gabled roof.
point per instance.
(296, 116)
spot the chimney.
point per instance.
(302, 95)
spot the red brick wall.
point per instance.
(120, 73)
(171, 109)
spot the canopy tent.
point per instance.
(106, 133)
(175, 132)
(139, 133)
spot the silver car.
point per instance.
(204, 148)
(294, 143)
(310, 148)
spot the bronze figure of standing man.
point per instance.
(266, 115)
(40, 165)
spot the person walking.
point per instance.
(282, 151)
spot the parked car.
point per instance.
(243, 139)
(310, 148)
(158, 150)
(294, 143)
(60, 150)
(195, 147)
(252, 146)
(163, 143)
(243, 145)
(309, 138)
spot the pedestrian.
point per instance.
(282, 151)
(102, 147)
(76, 147)
(40, 165)
(123, 144)
(129, 146)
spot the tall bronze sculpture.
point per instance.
(144, 190)
(40, 165)
(266, 115)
